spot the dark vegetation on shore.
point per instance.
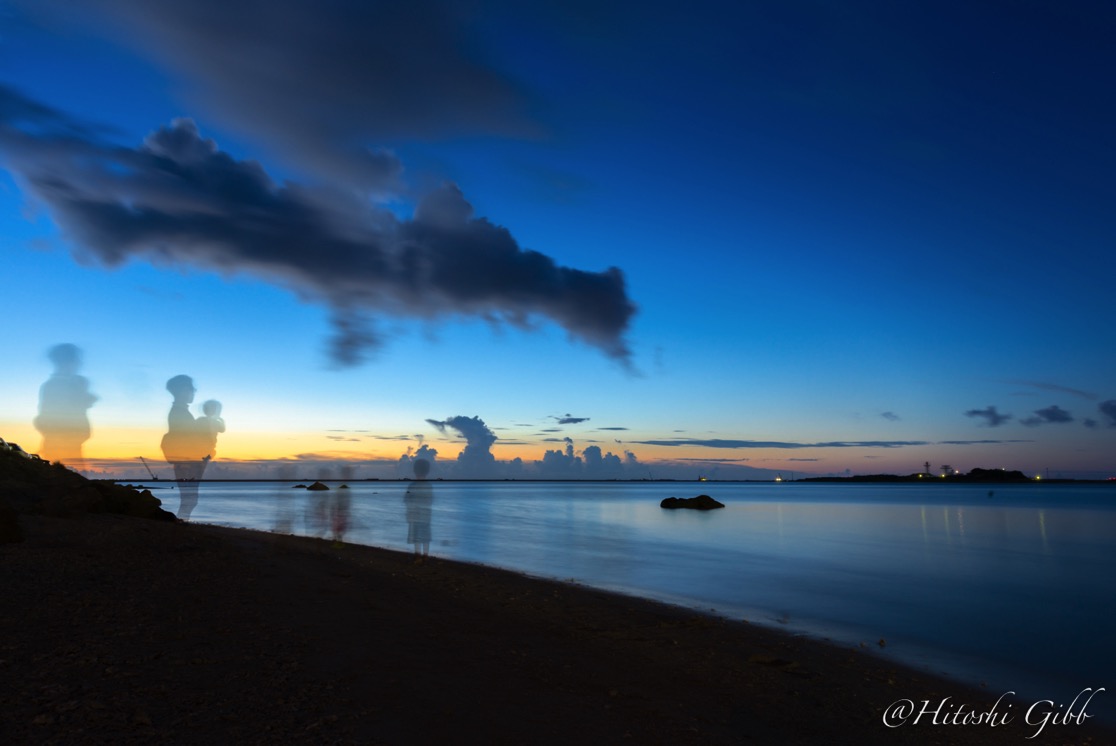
(29, 485)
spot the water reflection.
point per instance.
(64, 401)
(340, 503)
(1027, 591)
(284, 520)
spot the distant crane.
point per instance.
(148, 469)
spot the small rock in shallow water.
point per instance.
(701, 502)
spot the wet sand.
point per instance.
(123, 630)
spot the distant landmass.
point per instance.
(976, 475)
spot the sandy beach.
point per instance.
(117, 629)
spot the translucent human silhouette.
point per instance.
(211, 425)
(419, 505)
(340, 502)
(64, 401)
(284, 502)
(186, 445)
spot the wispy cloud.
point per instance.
(1046, 386)
(315, 82)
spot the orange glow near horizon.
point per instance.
(127, 444)
(130, 443)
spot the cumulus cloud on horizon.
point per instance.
(178, 200)
(476, 459)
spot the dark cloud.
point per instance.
(719, 443)
(613, 428)
(178, 200)
(890, 416)
(990, 415)
(318, 81)
(1050, 415)
(978, 442)
(569, 419)
(1108, 409)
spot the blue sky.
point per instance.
(841, 232)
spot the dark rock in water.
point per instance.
(299, 487)
(317, 486)
(343, 487)
(701, 502)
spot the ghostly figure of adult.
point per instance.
(419, 503)
(64, 400)
(186, 445)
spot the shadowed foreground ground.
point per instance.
(116, 629)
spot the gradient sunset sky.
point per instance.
(569, 238)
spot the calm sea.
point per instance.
(1012, 585)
